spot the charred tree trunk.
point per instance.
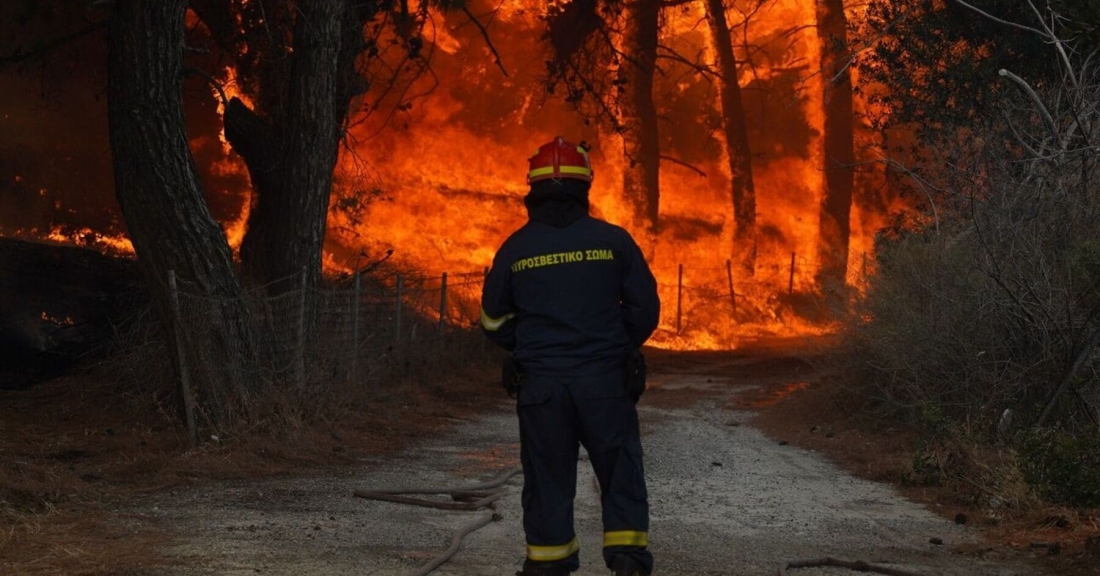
(839, 153)
(159, 192)
(639, 117)
(292, 165)
(299, 67)
(743, 191)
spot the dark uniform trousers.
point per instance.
(556, 415)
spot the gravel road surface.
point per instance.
(725, 500)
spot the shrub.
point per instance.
(1064, 468)
(994, 304)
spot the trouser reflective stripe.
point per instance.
(626, 538)
(552, 553)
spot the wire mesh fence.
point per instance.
(352, 337)
(365, 331)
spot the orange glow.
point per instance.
(455, 185)
(66, 321)
(440, 181)
(88, 238)
(768, 396)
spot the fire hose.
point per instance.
(473, 497)
(478, 496)
(858, 566)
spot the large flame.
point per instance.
(435, 173)
(448, 173)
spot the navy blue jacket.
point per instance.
(569, 294)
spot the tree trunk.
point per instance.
(743, 192)
(292, 165)
(839, 154)
(160, 195)
(639, 117)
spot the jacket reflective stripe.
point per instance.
(626, 538)
(552, 553)
(493, 324)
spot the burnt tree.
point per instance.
(742, 189)
(158, 187)
(605, 55)
(638, 115)
(300, 65)
(839, 153)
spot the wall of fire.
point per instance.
(436, 172)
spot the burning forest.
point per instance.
(251, 238)
(726, 136)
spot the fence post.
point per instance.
(355, 328)
(790, 284)
(680, 299)
(443, 304)
(733, 295)
(301, 376)
(397, 310)
(484, 278)
(185, 377)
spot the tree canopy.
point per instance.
(940, 58)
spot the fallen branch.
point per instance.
(858, 566)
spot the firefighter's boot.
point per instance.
(543, 569)
(624, 565)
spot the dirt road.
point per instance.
(726, 500)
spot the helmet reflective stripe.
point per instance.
(549, 170)
(559, 159)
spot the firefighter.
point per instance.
(573, 300)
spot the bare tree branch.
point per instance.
(210, 80)
(1047, 118)
(1082, 356)
(1000, 20)
(1058, 45)
(684, 164)
(677, 57)
(485, 35)
(18, 55)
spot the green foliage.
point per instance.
(1064, 468)
(990, 307)
(934, 420)
(927, 467)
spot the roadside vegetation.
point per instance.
(980, 324)
(76, 449)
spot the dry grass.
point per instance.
(822, 418)
(981, 330)
(75, 450)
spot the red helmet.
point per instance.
(560, 158)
